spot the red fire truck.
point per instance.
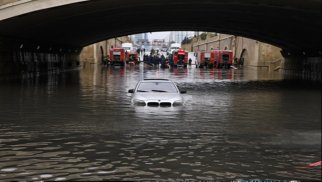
(117, 56)
(203, 59)
(221, 58)
(214, 57)
(226, 59)
(132, 57)
(179, 58)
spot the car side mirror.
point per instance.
(131, 91)
(183, 91)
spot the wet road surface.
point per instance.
(235, 124)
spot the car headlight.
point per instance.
(139, 102)
(177, 103)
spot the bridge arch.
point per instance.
(244, 56)
(293, 25)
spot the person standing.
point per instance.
(139, 55)
(138, 51)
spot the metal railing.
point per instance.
(270, 65)
(275, 65)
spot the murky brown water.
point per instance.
(235, 124)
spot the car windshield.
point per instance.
(157, 87)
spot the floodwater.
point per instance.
(235, 124)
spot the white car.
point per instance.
(156, 92)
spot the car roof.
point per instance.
(156, 80)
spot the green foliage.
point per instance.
(203, 36)
(186, 40)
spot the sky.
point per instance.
(162, 35)
(158, 35)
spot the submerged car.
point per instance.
(156, 92)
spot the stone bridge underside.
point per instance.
(293, 25)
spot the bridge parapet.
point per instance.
(12, 8)
(4, 2)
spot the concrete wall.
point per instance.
(260, 55)
(33, 58)
(252, 52)
(256, 54)
(220, 41)
(25, 62)
(302, 68)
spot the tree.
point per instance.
(203, 36)
(186, 40)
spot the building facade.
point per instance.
(140, 40)
(178, 36)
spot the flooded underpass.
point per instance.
(234, 124)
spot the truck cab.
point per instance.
(221, 58)
(179, 58)
(117, 56)
(174, 47)
(203, 59)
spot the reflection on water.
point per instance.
(235, 124)
(158, 112)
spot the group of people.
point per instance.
(154, 59)
(142, 51)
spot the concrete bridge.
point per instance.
(48, 29)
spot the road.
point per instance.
(235, 124)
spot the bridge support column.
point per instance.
(23, 57)
(302, 66)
